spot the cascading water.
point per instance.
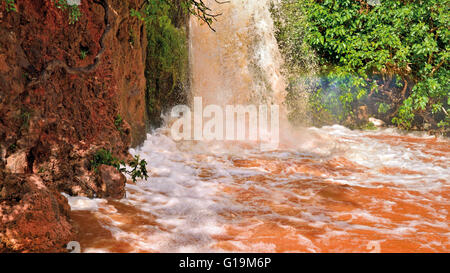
(340, 191)
(240, 62)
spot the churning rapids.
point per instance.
(339, 192)
(326, 190)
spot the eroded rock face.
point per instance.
(59, 106)
(112, 182)
(53, 106)
(33, 218)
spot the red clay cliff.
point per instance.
(62, 86)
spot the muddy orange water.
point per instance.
(336, 190)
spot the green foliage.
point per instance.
(383, 108)
(105, 157)
(406, 38)
(300, 62)
(73, 10)
(12, 148)
(167, 58)
(118, 121)
(83, 53)
(369, 127)
(10, 5)
(138, 168)
(25, 117)
(166, 42)
(361, 48)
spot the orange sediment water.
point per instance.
(324, 190)
(370, 188)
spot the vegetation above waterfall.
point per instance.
(388, 58)
(167, 52)
(166, 63)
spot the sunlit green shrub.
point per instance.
(363, 49)
(105, 157)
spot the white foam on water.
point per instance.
(376, 154)
(189, 206)
(182, 201)
(84, 203)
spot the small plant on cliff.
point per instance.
(118, 121)
(74, 10)
(25, 117)
(83, 53)
(10, 5)
(74, 14)
(138, 166)
(105, 157)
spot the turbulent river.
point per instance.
(326, 189)
(342, 191)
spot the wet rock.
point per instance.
(377, 122)
(33, 218)
(112, 182)
(17, 162)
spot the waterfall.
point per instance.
(326, 189)
(240, 62)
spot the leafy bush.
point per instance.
(166, 64)
(105, 157)
(395, 52)
(138, 168)
(166, 41)
(402, 41)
